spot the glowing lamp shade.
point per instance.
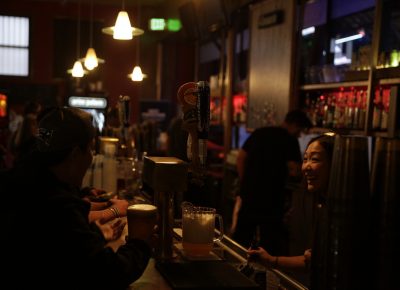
(137, 75)
(123, 29)
(77, 70)
(91, 60)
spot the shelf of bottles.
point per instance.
(345, 108)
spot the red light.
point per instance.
(3, 105)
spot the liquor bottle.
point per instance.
(339, 110)
(362, 109)
(385, 108)
(309, 107)
(314, 111)
(329, 111)
(349, 110)
(356, 109)
(319, 110)
(377, 113)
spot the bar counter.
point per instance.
(226, 250)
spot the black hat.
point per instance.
(63, 128)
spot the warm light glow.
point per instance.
(3, 105)
(123, 29)
(137, 75)
(91, 59)
(77, 70)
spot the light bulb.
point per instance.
(91, 60)
(77, 70)
(137, 75)
(123, 29)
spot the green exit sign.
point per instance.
(174, 24)
(161, 24)
(157, 24)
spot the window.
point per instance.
(14, 46)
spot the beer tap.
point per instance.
(195, 101)
(124, 115)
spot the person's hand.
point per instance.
(261, 255)
(95, 192)
(111, 231)
(120, 204)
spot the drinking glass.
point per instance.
(198, 229)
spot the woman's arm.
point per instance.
(117, 208)
(285, 262)
(99, 205)
(235, 214)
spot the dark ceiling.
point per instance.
(114, 2)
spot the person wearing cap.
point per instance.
(47, 241)
(267, 160)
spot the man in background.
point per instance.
(269, 158)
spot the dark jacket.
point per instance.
(48, 243)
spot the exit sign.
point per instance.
(162, 24)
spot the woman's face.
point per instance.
(316, 167)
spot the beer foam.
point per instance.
(142, 209)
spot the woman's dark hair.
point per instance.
(326, 142)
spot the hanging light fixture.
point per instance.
(91, 60)
(123, 29)
(137, 75)
(77, 70)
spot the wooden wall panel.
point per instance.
(271, 63)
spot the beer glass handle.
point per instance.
(221, 228)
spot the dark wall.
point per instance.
(53, 50)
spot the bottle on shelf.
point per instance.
(385, 108)
(349, 109)
(377, 112)
(329, 110)
(309, 107)
(362, 104)
(356, 109)
(319, 109)
(338, 119)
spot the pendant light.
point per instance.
(77, 70)
(122, 29)
(137, 75)
(91, 61)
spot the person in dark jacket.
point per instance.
(47, 241)
(268, 160)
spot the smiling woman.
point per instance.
(316, 170)
(317, 163)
